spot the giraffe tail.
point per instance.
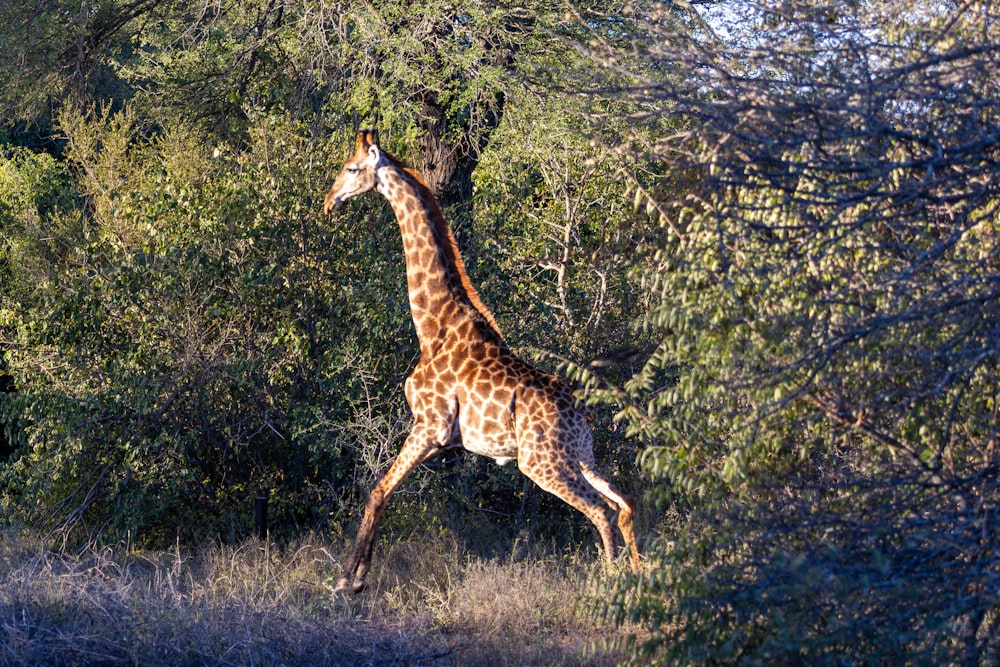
(621, 502)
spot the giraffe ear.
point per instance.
(374, 154)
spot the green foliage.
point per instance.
(822, 398)
(555, 220)
(39, 227)
(177, 368)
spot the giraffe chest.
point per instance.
(477, 391)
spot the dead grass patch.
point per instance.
(257, 604)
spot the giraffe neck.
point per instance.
(437, 283)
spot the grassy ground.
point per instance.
(429, 604)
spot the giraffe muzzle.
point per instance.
(332, 204)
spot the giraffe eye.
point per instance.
(352, 170)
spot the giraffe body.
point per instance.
(468, 389)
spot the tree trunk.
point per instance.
(449, 153)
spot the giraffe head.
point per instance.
(358, 175)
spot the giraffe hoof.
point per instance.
(344, 585)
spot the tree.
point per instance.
(823, 395)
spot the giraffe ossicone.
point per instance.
(510, 410)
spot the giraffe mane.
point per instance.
(448, 243)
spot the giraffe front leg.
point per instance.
(352, 576)
(417, 449)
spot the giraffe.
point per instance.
(468, 389)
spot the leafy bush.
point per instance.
(822, 402)
(190, 356)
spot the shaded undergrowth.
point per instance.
(430, 603)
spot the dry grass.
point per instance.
(257, 605)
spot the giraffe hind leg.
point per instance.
(618, 500)
(572, 487)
